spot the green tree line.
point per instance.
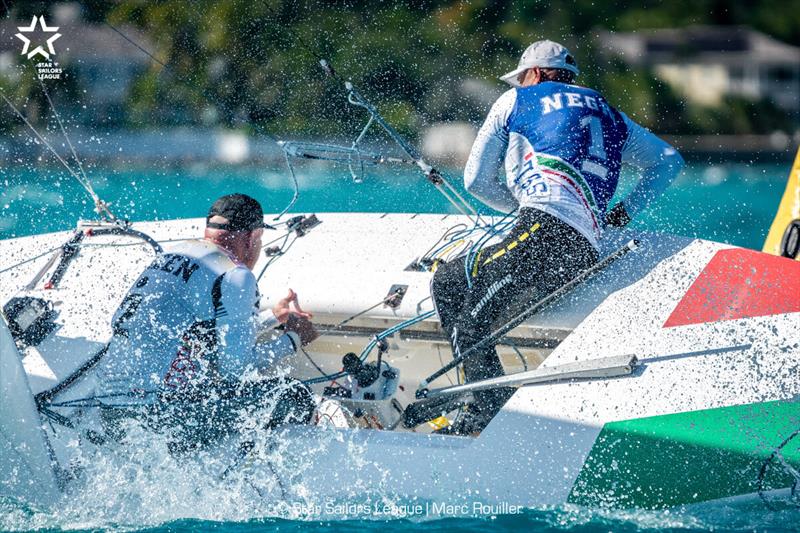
(247, 63)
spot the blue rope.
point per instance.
(462, 234)
(499, 227)
(374, 342)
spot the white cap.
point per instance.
(543, 54)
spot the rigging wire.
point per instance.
(288, 148)
(355, 98)
(433, 175)
(134, 43)
(451, 194)
(295, 186)
(283, 249)
(100, 205)
(63, 129)
(26, 261)
(385, 301)
(276, 239)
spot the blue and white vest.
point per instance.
(564, 153)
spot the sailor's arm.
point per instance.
(487, 155)
(238, 325)
(267, 319)
(658, 163)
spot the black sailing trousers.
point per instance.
(540, 254)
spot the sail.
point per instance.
(784, 234)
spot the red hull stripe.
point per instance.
(739, 283)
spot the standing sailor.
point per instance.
(563, 146)
(186, 331)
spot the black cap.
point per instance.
(243, 212)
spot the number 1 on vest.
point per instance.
(596, 148)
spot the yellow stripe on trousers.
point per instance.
(502, 251)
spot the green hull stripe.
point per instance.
(683, 458)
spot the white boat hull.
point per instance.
(715, 363)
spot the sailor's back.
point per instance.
(568, 136)
(168, 318)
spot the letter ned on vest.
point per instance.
(549, 103)
(574, 100)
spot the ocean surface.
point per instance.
(732, 203)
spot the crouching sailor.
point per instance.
(186, 333)
(563, 146)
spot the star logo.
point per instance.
(38, 49)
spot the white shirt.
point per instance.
(194, 310)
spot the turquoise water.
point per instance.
(732, 203)
(743, 516)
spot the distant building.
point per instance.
(707, 63)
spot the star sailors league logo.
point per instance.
(47, 68)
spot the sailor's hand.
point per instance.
(617, 217)
(288, 306)
(303, 327)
